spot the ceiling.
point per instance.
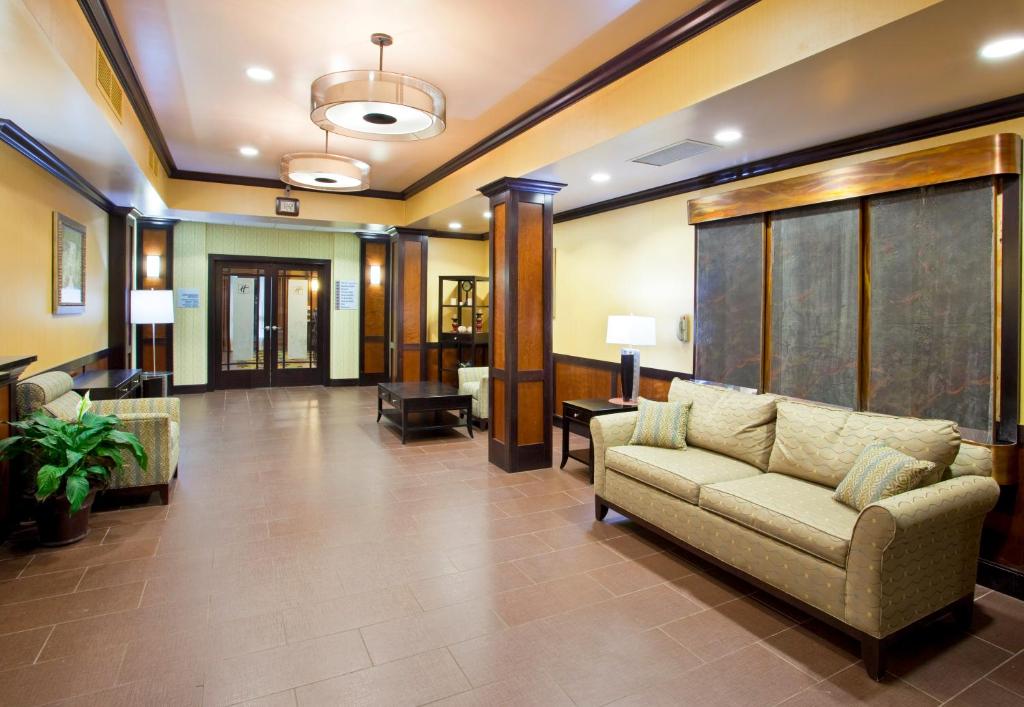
(921, 66)
(493, 59)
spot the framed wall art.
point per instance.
(68, 265)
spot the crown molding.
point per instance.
(954, 121)
(271, 184)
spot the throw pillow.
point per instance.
(661, 424)
(880, 472)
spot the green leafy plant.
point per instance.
(71, 458)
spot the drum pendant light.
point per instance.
(377, 105)
(325, 172)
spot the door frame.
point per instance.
(374, 378)
(213, 312)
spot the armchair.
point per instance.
(155, 421)
(473, 381)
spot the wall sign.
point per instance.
(188, 298)
(345, 296)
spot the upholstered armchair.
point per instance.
(473, 381)
(155, 421)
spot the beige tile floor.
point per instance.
(307, 558)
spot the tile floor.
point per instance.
(307, 558)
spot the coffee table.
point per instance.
(424, 406)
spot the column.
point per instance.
(407, 340)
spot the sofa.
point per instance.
(155, 421)
(753, 493)
(473, 381)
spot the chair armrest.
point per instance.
(167, 406)
(483, 394)
(609, 431)
(473, 374)
(915, 553)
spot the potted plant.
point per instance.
(71, 460)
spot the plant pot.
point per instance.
(56, 527)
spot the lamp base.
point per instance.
(630, 376)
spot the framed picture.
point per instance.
(68, 265)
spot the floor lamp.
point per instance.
(153, 307)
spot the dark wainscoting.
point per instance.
(342, 382)
(95, 361)
(188, 389)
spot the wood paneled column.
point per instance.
(521, 377)
(407, 348)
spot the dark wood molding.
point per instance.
(1001, 578)
(268, 183)
(459, 236)
(613, 367)
(343, 382)
(651, 47)
(81, 361)
(997, 154)
(39, 154)
(963, 119)
(188, 389)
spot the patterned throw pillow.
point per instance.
(661, 424)
(880, 472)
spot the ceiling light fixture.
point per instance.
(325, 172)
(1002, 48)
(377, 105)
(248, 151)
(487, 214)
(455, 225)
(600, 177)
(728, 135)
(258, 73)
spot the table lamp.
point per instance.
(153, 307)
(630, 331)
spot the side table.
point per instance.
(580, 412)
(112, 384)
(155, 384)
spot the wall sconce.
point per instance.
(314, 285)
(153, 266)
(374, 274)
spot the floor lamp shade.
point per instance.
(152, 306)
(630, 332)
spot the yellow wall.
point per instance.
(28, 198)
(452, 256)
(194, 242)
(640, 260)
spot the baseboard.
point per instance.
(342, 382)
(372, 379)
(188, 389)
(1001, 578)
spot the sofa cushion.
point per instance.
(678, 472)
(821, 444)
(660, 424)
(741, 425)
(65, 407)
(795, 512)
(880, 472)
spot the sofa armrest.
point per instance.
(915, 553)
(158, 434)
(167, 406)
(609, 431)
(473, 374)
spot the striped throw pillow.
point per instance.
(661, 424)
(880, 472)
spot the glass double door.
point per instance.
(269, 324)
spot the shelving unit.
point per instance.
(462, 300)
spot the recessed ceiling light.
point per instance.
(1002, 48)
(258, 73)
(728, 135)
(487, 214)
(248, 151)
(600, 177)
(455, 225)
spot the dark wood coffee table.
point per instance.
(424, 406)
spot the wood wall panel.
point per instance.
(499, 286)
(530, 288)
(530, 413)
(497, 422)
(575, 381)
(412, 301)
(983, 156)
(373, 357)
(411, 365)
(373, 295)
(654, 388)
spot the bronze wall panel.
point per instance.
(815, 292)
(932, 304)
(728, 318)
(530, 287)
(497, 425)
(499, 286)
(530, 413)
(412, 304)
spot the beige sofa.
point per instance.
(753, 493)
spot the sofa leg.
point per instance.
(872, 651)
(600, 510)
(165, 494)
(963, 612)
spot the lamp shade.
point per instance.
(152, 306)
(630, 330)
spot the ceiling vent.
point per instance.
(108, 84)
(673, 153)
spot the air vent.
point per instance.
(673, 153)
(108, 84)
